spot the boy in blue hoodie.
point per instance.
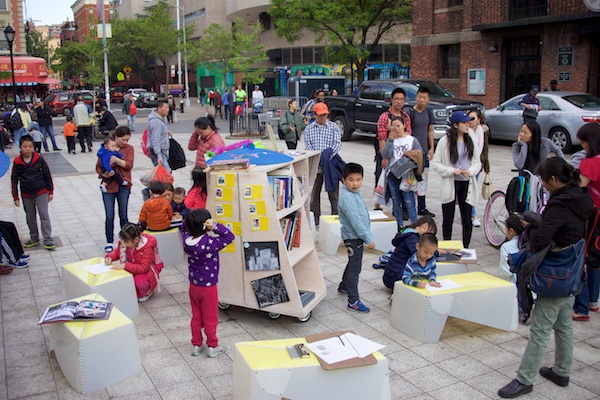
(106, 151)
(356, 231)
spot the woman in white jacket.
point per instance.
(455, 159)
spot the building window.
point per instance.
(455, 3)
(376, 55)
(296, 54)
(527, 8)
(287, 58)
(391, 53)
(405, 55)
(451, 61)
(318, 55)
(265, 20)
(307, 55)
(3, 5)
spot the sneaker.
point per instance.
(476, 222)
(50, 246)
(19, 264)
(514, 389)
(73, 152)
(358, 306)
(57, 149)
(198, 349)
(593, 308)
(24, 257)
(31, 243)
(108, 248)
(215, 351)
(143, 299)
(342, 290)
(426, 212)
(378, 266)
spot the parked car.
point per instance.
(560, 117)
(362, 111)
(147, 99)
(136, 92)
(117, 94)
(63, 102)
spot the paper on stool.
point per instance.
(446, 285)
(97, 269)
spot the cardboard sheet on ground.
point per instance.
(446, 285)
(97, 269)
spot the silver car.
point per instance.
(560, 117)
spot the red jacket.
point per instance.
(141, 260)
(201, 146)
(34, 178)
(196, 198)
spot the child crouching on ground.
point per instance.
(137, 253)
(514, 229)
(421, 265)
(107, 150)
(156, 211)
(356, 231)
(203, 264)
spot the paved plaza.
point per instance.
(470, 361)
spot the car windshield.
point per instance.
(583, 100)
(435, 90)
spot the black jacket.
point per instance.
(44, 115)
(108, 122)
(35, 177)
(563, 221)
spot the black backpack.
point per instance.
(517, 195)
(176, 155)
(15, 122)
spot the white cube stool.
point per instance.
(96, 354)
(264, 370)
(330, 236)
(170, 246)
(483, 299)
(115, 285)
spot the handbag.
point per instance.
(531, 113)
(401, 167)
(177, 158)
(487, 188)
(560, 274)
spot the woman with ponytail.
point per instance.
(137, 253)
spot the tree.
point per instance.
(349, 29)
(35, 44)
(82, 60)
(233, 50)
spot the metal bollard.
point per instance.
(181, 106)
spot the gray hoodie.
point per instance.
(158, 134)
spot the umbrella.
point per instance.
(4, 163)
(256, 156)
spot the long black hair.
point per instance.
(131, 231)
(560, 169)
(533, 147)
(590, 133)
(453, 147)
(206, 122)
(199, 179)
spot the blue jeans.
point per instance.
(398, 196)
(131, 122)
(18, 134)
(48, 131)
(589, 294)
(165, 159)
(122, 198)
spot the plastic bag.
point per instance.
(157, 174)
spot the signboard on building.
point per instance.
(565, 56)
(564, 76)
(476, 81)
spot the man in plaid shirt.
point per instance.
(384, 127)
(320, 135)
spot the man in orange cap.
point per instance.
(324, 136)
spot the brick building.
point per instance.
(85, 17)
(492, 50)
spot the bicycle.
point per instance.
(496, 213)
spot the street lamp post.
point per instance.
(9, 35)
(181, 23)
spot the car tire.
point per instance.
(66, 111)
(340, 121)
(561, 137)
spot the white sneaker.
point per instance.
(215, 351)
(198, 349)
(143, 299)
(476, 222)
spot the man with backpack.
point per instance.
(19, 122)
(158, 135)
(130, 110)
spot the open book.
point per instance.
(74, 311)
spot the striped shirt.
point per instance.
(384, 120)
(414, 269)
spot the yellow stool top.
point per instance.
(90, 279)
(154, 233)
(469, 281)
(450, 244)
(86, 329)
(273, 354)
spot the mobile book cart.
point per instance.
(272, 264)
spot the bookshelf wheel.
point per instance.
(224, 306)
(273, 315)
(305, 318)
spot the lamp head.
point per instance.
(9, 34)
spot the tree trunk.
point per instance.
(360, 71)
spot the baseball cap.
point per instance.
(320, 109)
(535, 89)
(459, 116)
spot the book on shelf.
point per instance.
(290, 227)
(306, 297)
(282, 188)
(71, 311)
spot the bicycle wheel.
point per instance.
(494, 219)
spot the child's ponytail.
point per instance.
(131, 231)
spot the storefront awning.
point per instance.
(29, 71)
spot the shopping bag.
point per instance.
(157, 174)
(487, 188)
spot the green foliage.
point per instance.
(36, 45)
(349, 29)
(5, 75)
(81, 59)
(230, 50)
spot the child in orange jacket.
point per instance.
(137, 253)
(69, 132)
(156, 211)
